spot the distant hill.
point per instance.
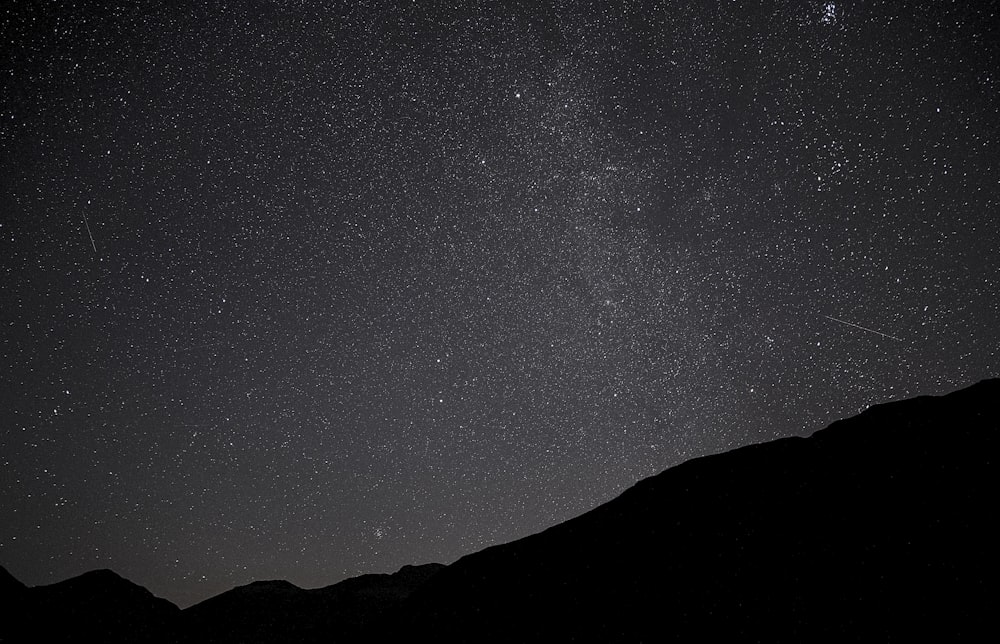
(12, 597)
(9, 586)
(97, 606)
(876, 528)
(277, 611)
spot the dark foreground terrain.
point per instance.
(878, 528)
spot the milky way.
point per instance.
(292, 291)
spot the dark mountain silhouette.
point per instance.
(876, 528)
(12, 595)
(101, 606)
(96, 606)
(10, 587)
(277, 611)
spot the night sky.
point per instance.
(307, 290)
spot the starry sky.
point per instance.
(306, 290)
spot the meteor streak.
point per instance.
(864, 328)
(87, 224)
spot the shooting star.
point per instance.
(864, 328)
(87, 224)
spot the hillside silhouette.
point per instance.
(878, 527)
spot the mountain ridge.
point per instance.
(873, 527)
(719, 509)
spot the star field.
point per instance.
(294, 290)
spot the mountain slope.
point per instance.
(10, 586)
(873, 528)
(876, 528)
(97, 605)
(275, 611)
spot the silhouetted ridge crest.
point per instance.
(872, 528)
(98, 605)
(877, 527)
